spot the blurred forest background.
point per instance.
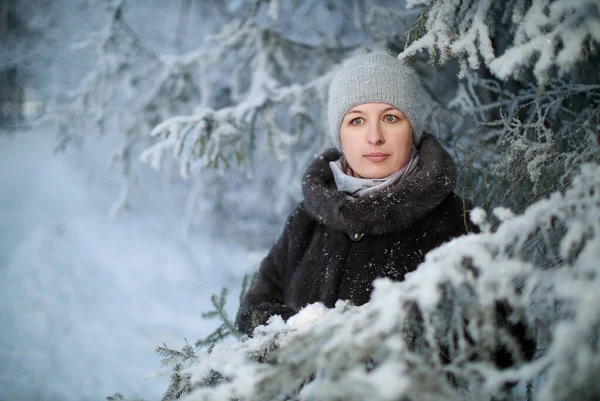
(152, 151)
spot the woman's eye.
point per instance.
(389, 118)
(357, 121)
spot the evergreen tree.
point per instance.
(532, 114)
(522, 121)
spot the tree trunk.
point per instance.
(11, 93)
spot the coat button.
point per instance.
(357, 236)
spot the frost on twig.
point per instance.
(516, 144)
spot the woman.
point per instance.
(372, 210)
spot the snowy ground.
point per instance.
(85, 299)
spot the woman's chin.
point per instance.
(375, 173)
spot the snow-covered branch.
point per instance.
(249, 92)
(216, 137)
(438, 334)
(548, 35)
(213, 136)
(518, 142)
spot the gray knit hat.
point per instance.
(377, 77)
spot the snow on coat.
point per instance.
(333, 246)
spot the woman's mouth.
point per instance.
(376, 156)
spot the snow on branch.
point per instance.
(200, 139)
(551, 34)
(548, 34)
(462, 325)
(215, 137)
(248, 93)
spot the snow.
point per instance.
(85, 299)
(462, 281)
(478, 215)
(503, 213)
(546, 36)
(307, 316)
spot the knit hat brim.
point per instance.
(377, 78)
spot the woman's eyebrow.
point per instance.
(354, 112)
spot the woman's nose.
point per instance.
(374, 135)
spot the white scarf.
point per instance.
(357, 187)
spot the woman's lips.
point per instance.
(376, 156)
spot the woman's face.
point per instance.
(376, 139)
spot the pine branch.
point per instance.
(219, 304)
(174, 357)
(227, 328)
(418, 27)
(181, 383)
(212, 339)
(529, 391)
(180, 386)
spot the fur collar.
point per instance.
(392, 209)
